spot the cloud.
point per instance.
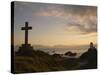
(66, 10)
(81, 25)
(83, 19)
(50, 11)
(80, 19)
(83, 29)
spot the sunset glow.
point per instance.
(56, 24)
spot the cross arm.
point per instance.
(29, 27)
(23, 28)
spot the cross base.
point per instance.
(26, 50)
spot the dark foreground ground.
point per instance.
(39, 61)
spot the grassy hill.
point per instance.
(40, 61)
(28, 60)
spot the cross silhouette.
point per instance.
(26, 28)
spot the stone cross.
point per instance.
(26, 28)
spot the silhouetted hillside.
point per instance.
(40, 61)
(28, 60)
(90, 57)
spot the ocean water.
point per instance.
(61, 51)
(53, 50)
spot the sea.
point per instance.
(57, 50)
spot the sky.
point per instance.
(55, 24)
